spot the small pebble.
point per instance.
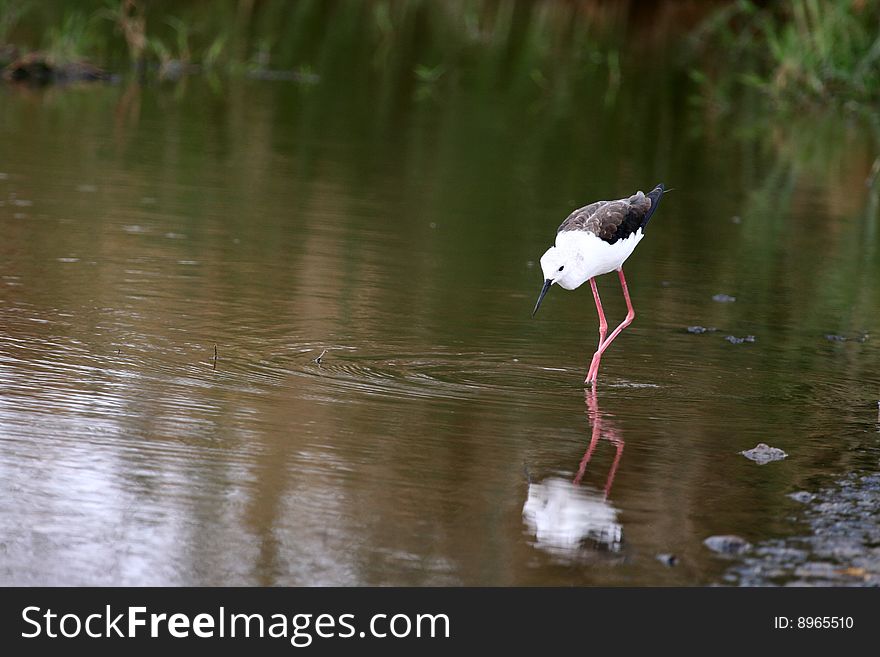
(723, 298)
(763, 453)
(727, 544)
(802, 496)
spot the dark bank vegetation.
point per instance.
(793, 52)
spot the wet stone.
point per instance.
(770, 573)
(817, 569)
(802, 496)
(869, 561)
(833, 508)
(763, 453)
(732, 339)
(782, 554)
(727, 544)
(840, 551)
(833, 337)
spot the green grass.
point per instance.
(796, 52)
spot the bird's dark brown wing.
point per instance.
(614, 220)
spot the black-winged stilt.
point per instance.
(595, 240)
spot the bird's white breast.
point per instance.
(594, 256)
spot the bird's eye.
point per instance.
(561, 268)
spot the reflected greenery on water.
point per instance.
(390, 215)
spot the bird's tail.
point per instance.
(655, 195)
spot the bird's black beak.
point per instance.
(544, 289)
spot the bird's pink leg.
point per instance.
(603, 329)
(630, 315)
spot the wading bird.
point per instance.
(595, 240)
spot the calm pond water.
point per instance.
(445, 437)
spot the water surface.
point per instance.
(398, 234)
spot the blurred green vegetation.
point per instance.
(737, 58)
(766, 72)
(793, 52)
(237, 36)
(796, 53)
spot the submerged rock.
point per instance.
(763, 453)
(834, 337)
(727, 544)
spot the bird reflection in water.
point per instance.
(566, 516)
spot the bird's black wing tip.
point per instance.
(655, 195)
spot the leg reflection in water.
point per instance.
(610, 433)
(567, 516)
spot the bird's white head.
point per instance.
(560, 265)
